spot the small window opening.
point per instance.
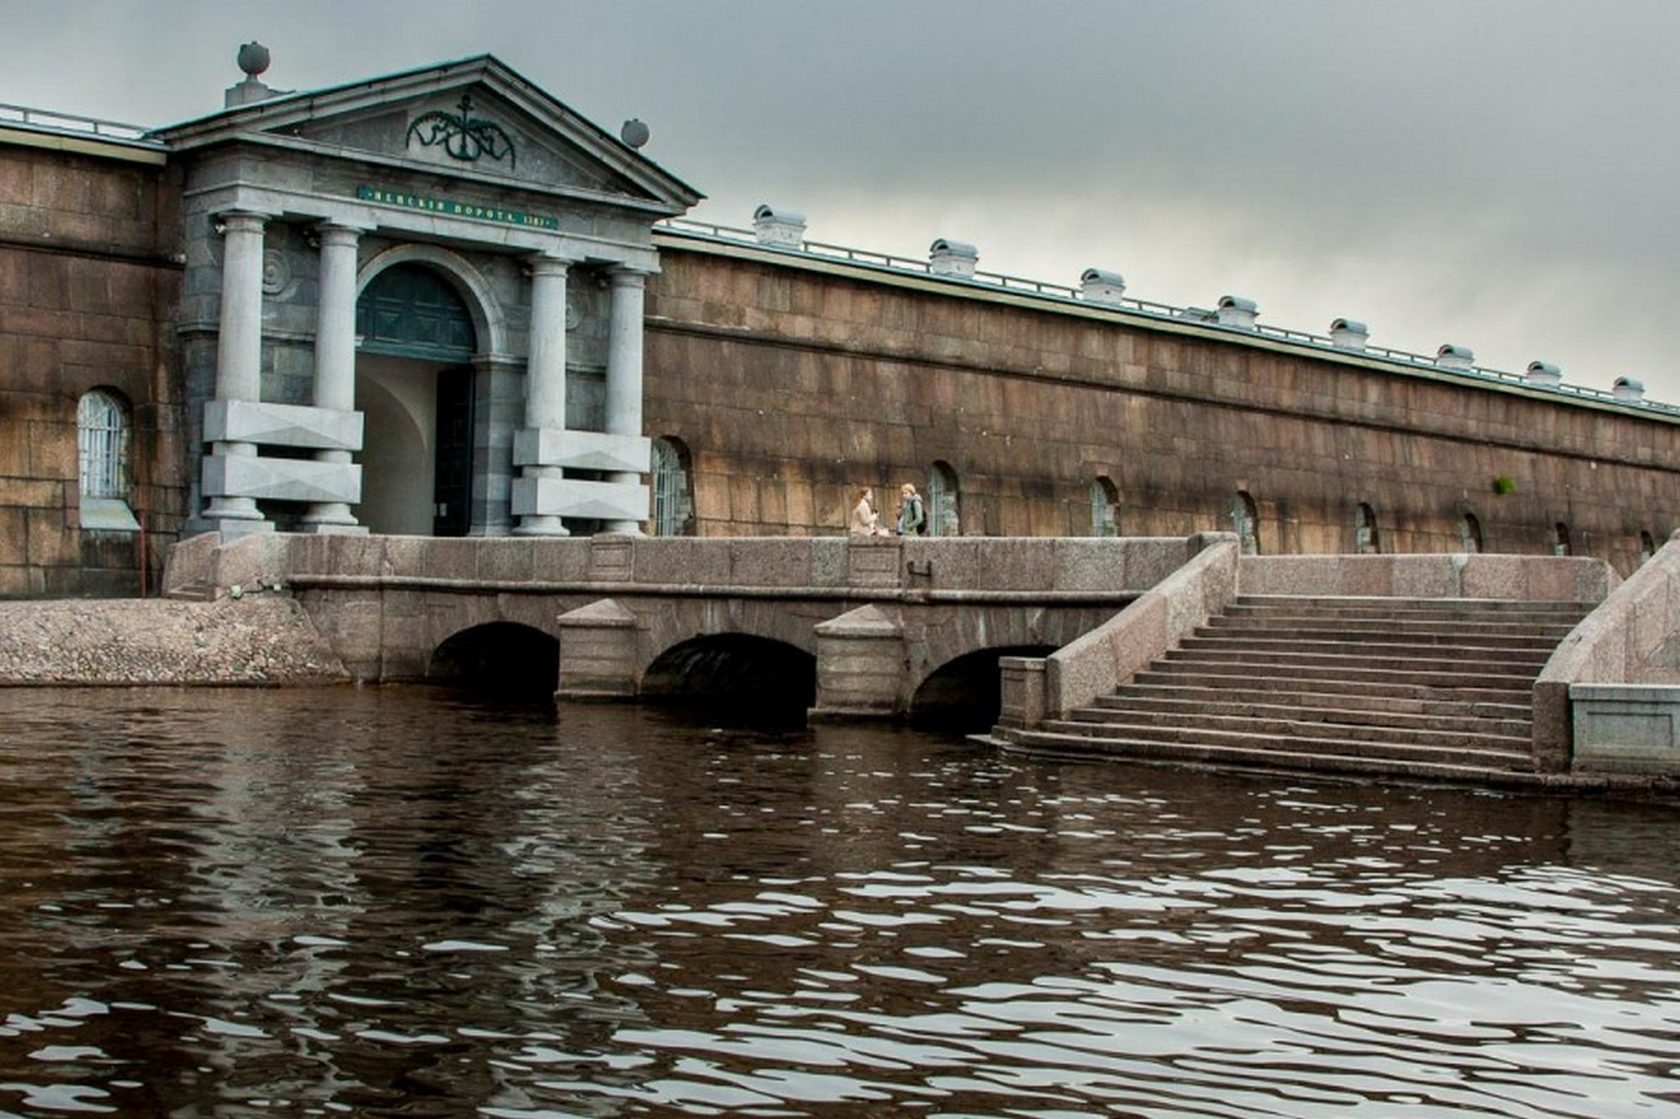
(1245, 522)
(1470, 533)
(943, 501)
(1365, 540)
(1105, 498)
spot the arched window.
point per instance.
(102, 437)
(1560, 539)
(1365, 540)
(943, 501)
(673, 495)
(1245, 522)
(102, 443)
(1104, 512)
(1647, 546)
(1470, 534)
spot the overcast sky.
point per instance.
(1502, 174)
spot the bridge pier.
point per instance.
(861, 663)
(600, 654)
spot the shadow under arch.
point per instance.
(500, 658)
(736, 675)
(966, 694)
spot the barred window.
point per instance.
(673, 499)
(102, 431)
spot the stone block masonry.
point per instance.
(86, 281)
(792, 379)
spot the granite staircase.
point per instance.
(1437, 689)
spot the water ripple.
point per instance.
(395, 902)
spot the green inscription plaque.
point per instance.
(450, 207)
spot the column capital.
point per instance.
(239, 221)
(336, 233)
(629, 275)
(547, 264)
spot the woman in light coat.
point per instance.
(865, 521)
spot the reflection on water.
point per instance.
(391, 902)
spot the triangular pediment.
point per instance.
(475, 118)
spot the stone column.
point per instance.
(335, 355)
(239, 342)
(545, 375)
(624, 370)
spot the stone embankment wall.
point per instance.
(257, 638)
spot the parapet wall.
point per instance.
(858, 567)
(1036, 688)
(1459, 575)
(1633, 637)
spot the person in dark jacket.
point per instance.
(912, 518)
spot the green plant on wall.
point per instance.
(1504, 484)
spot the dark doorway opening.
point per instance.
(452, 477)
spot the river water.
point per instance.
(403, 902)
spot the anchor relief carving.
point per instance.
(462, 135)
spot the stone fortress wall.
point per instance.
(790, 380)
(89, 278)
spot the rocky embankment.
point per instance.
(262, 638)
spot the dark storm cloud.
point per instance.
(1496, 173)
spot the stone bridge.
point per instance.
(846, 626)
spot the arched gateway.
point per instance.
(393, 332)
(414, 388)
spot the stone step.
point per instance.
(1504, 757)
(1251, 648)
(1502, 719)
(1403, 672)
(1461, 734)
(1446, 614)
(1246, 681)
(1497, 634)
(1270, 758)
(1437, 689)
(1397, 604)
(1396, 623)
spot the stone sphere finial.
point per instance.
(634, 133)
(253, 58)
